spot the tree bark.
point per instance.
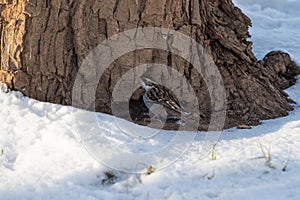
(43, 44)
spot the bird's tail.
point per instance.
(192, 122)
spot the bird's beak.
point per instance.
(143, 79)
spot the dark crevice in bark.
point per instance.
(141, 9)
(115, 7)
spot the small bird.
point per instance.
(157, 96)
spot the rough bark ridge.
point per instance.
(43, 44)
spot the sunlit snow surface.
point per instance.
(275, 25)
(41, 155)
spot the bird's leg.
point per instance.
(146, 117)
(180, 122)
(157, 118)
(149, 117)
(152, 120)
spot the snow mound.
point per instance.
(42, 156)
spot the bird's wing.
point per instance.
(165, 97)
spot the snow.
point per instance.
(275, 25)
(42, 155)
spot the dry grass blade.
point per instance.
(213, 153)
(287, 162)
(267, 156)
(262, 150)
(212, 175)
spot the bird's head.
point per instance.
(147, 83)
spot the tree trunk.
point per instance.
(43, 44)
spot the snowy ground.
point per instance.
(41, 155)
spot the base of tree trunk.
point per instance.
(43, 44)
